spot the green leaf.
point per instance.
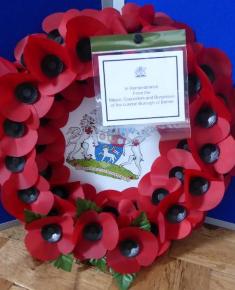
(64, 262)
(124, 281)
(30, 216)
(84, 205)
(142, 222)
(100, 264)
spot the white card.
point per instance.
(107, 158)
(142, 88)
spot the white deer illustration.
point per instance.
(108, 155)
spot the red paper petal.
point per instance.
(226, 160)
(19, 146)
(121, 264)
(52, 22)
(109, 226)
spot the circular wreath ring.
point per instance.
(121, 231)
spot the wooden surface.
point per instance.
(205, 261)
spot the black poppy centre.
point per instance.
(83, 49)
(176, 214)
(129, 248)
(158, 195)
(209, 153)
(51, 233)
(27, 93)
(29, 195)
(93, 232)
(15, 164)
(198, 186)
(14, 129)
(52, 66)
(177, 172)
(206, 117)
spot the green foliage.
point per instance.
(30, 216)
(84, 205)
(100, 264)
(142, 222)
(124, 281)
(64, 262)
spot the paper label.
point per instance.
(142, 88)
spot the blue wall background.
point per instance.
(213, 21)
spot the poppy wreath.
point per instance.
(118, 232)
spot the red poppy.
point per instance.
(78, 42)
(49, 131)
(54, 172)
(135, 248)
(135, 17)
(198, 82)
(93, 237)
(89, 191)
(216, 156)
(69, 191)
(177, 217)
(214, 63)
(51, 25)
(153, 191)
(62, 106)
(17, 138)
(49, 63)
(37, 198)
(162, 19)
(19, 49)
(68, 15)
(202, 192)
(159, 231)
(78, 90)
(120, 204)
(23, 169)
(109, 200)
(21, 94)
(62, 207)
(50, 237)
(165, 146)
(51, 152)
(172, 165)
(6, 67)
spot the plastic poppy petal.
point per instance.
(150, 248)
(164, 248)
(212, 135)
(6, 67)
(52, 22)
(160, 168)
(19, 146)
(29, 176)
(145, 185)
(183, 158)
(43, 105)
(178, 231)
(44, 203)
(60, 173)
(90, 250)
(39, 248)
(226, 161)
(162, 19)
(126, 207)
(109, 226)
(122, 264)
